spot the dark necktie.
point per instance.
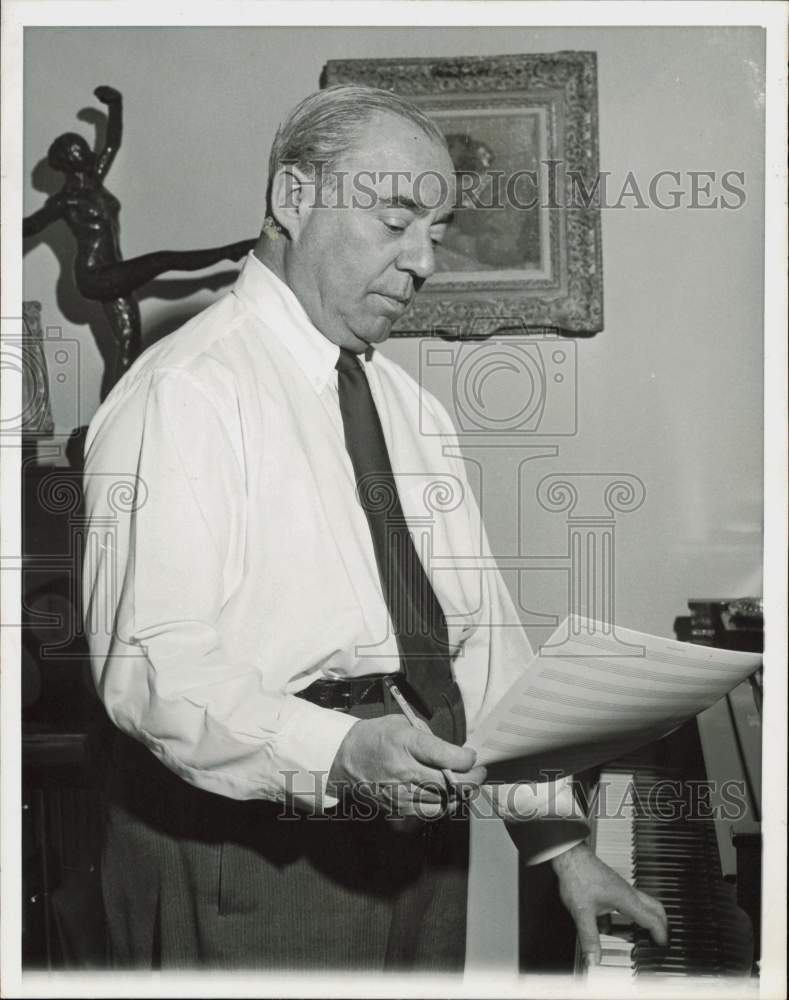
(418, 620)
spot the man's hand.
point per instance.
(589, 888)
(401, 766)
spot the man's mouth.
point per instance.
(397, 301)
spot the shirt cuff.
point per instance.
(545, 839)
(543, 819)
(306, 749)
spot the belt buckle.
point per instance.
(324, 695)
(336, 695)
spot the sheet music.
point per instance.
(594, 692)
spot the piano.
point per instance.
(684, 825)
(678, 819)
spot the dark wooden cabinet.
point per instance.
(63, 733)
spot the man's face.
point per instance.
(356, 264)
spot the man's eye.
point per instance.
(394, 227)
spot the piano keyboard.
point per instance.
(676, 860)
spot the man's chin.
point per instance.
(374, 334)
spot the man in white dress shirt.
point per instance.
(238, 615)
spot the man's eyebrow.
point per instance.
(403, 201)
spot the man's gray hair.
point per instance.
(327, 124)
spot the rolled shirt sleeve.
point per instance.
(155, 591)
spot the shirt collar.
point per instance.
(277, 306)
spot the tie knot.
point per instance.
(347, 361)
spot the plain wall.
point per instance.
(670, 391)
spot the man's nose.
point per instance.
(418, 256)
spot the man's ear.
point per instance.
(292, 198)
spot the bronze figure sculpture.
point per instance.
(91, 213)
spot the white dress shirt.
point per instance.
(243, 569)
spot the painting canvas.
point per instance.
(524, 249)
(489, 237)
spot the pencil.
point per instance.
(419, 724)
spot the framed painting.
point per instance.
(524, 249)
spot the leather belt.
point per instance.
(343, 694)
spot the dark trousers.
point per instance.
(195, 879)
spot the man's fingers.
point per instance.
(429, 749)
(428, 810)
(657, 924)
(646, 911)
(471, 779)
(429, 786)
(426, 801)
(588, 936)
